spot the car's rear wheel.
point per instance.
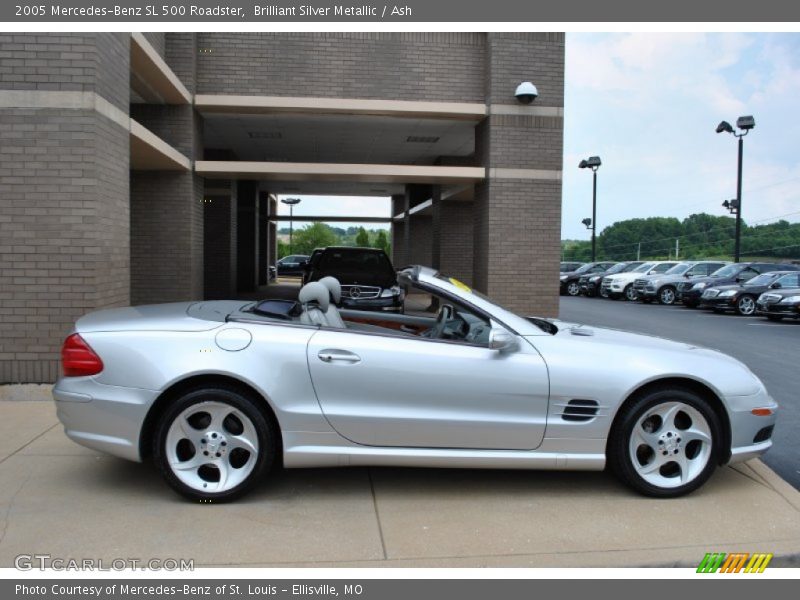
(630, 293)
(666, 295)
(746, 306)
(665, 443)
(214, 444)
(573, 289)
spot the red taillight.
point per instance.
(78, 359)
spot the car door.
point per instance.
(397, 390)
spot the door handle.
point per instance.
(329, 356)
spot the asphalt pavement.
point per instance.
(771, 350)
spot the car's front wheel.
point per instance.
(746, 306)
(666, 295)
(573, 289)
(665, 443)
(214, 444)
(630, 293)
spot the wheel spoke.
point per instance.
(658, 462)
(695, 434)
(240, 441)
(683, 463)
(667, 414)
(192, 434)
(195, 462)
(218, 414)
(648, 439)
(224, 470)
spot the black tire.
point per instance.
(775, 317)
(629, 293)
(619, 459)
(666, 295)
(746, 306)
(265, 429)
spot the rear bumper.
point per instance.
(102, 417)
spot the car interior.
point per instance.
(427, 316)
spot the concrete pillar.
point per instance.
(219, 240)
(517, 209)
(246, 236)
(167, 207)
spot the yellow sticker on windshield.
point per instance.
(460, 284)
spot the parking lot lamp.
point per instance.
(745, 124)
(593, 163)
(291, 203)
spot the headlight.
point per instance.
(391, 292)
(790, 300)
(727, 293)
(594, 279)
(563, 277)
(699, 286)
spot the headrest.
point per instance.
(334, 287)
(315, 292)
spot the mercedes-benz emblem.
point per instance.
(355, 292)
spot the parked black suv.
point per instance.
(368, 279)
(569, 281)
(590, 284)
(742, 298)
(691, 292)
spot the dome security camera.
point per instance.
(526, 92)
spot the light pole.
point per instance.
(291, 203)
(745, 124)
(593, 163)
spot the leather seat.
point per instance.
(332, 313)
(315, 300)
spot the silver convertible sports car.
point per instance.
(218, 392)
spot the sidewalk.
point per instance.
(61, 499)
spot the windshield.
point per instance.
(727, 271)
(617, 268)
(643, 268)
(585, 268)
(679, 269)
(764, 279)
(355, 260)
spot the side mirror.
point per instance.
(776, 286)
(502, 340)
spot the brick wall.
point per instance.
(166, 236)
(219, 242)
(405, 66)
(157, 39)
(456, 240)
(514, 57)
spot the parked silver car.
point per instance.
(218, 392)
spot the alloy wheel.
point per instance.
(670, 444)
(573, 289)
(667, 296)
(746, 306)
(630, 293)
(212, 447)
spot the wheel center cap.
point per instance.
(215, 442)
(670, 442)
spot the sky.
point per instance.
(648, 105)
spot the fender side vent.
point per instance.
(580, 410)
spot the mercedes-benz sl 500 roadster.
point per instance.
(217, 393)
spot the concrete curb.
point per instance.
(24, 392)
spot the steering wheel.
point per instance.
(442, 317)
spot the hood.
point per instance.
(345, 277)
(602, 335)
(158, 317)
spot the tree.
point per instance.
(362, 238)
(318, 235)
(283, 249)
(382, 241)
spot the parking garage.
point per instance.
(144, 168)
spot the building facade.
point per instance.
(140, 168)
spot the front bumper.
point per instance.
(778, 310)
(751, 435)
(102, 417)
(718, 303)
(690, 296)
(393, 304)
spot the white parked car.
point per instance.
(621, 284)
